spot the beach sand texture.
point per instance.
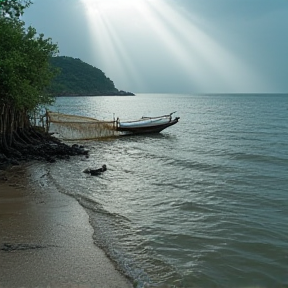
(46, 241)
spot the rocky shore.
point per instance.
(47, 148)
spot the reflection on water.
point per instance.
(201, 205)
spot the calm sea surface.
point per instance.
(203, 204)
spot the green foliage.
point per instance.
(25, 70)
(79, 78)
(12, 8)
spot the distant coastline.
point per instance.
(77, 78)
(119, 93)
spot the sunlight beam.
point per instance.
(109, 49)
(210, 57)
(130, 37)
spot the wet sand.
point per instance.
(46, 241)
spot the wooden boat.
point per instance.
(147, 124)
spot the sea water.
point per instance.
(202, 204)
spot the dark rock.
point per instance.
(4, 162)
(3, 158)
(44, 148)
(50, 159)
(14, 162)
(4, 166)
(3, 178)
(96, 172)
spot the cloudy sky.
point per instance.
(185, 46)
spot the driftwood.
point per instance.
(96, 172)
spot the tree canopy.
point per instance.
(25, 70)
(12, 8)
(79, 78)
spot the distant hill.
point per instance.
(78, 78)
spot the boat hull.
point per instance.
(142, 129)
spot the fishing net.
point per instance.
(73, 127)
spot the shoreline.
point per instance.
(46, 240)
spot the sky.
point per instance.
(173, 46)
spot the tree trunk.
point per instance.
(11, 121)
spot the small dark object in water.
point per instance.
(96, 172)
(85, 158)
(87, 170)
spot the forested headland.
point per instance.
(77, 78)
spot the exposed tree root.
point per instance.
(32, 145)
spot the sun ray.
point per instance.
(201, 49)
(159, 33)
(126, 63)
(109, 50)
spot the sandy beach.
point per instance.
(46, 240)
